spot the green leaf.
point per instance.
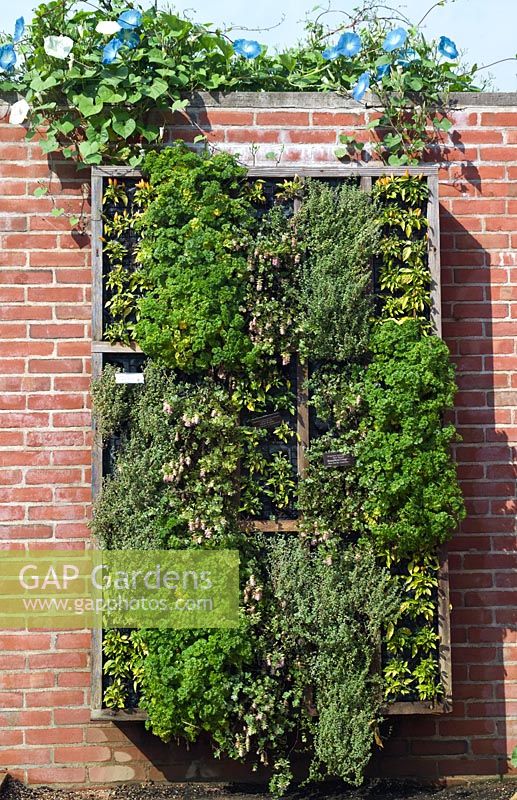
(88, 148)
(74, 221)
(110, 95)
(341, 152)
(38, 84)
(416, 84)
(41, 191)
(64, 126)
(158, 88)
(513, 759)
(123, 124)
(57, 212)
(50, 144)
(394, 160)
(179, 105)
(442, 124)
(88, 106)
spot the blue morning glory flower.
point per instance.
(447, 48)
(381, 71)
(19, 29)
(349, 44)
(363, 83)
(130, 39)
(407, 56)
(248, 48)
(394, 39)
(130, 19)
(7, 57)
(331, 53)
(110, 51)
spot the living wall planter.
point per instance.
(129, 357)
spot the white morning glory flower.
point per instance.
(58, 46)
(19, 112)
(107, 27)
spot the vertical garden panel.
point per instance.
(106, 352)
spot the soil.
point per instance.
(378, 790)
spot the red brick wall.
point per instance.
(45, 733)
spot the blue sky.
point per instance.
(486, 30)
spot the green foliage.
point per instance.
(412, 501)
(194, 234)
(176, 481)
(338, 232)
(300, 665)
(273, 285)
(132, 505)
(189, 679)
(411, 642)
(125, 281)
(333, 613)
(112, 112)
(111, 403)
(235, 283)
(404, 277)
(123, 657)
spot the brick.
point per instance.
(221, 117)
(85, 753)
(57, 660)
(24, 641)
(53, 736)
(336, 119)
(71, 716)
(53, 366)
(31, 719)
(12, 662)
(55, 697)
(255, 135)
(62, 331)
(115, 774)
(11, 738)
(55, 439)
(55, 294)
(29, 276)
(79, 276)
(11, 700)
(50, 775)
(57, 512)
(51, 402)
(66, 641)
(72, 419)
(285, 119)
(74, 679)
(26, 755)
(52, 476)
(440, 747)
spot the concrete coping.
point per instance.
(323, 100)
(317, 100)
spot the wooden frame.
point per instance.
(101, 348)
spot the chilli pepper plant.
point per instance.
(244, 295)
(100, 79)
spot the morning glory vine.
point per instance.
(100, 83)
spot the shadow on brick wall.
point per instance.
(479, 734)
